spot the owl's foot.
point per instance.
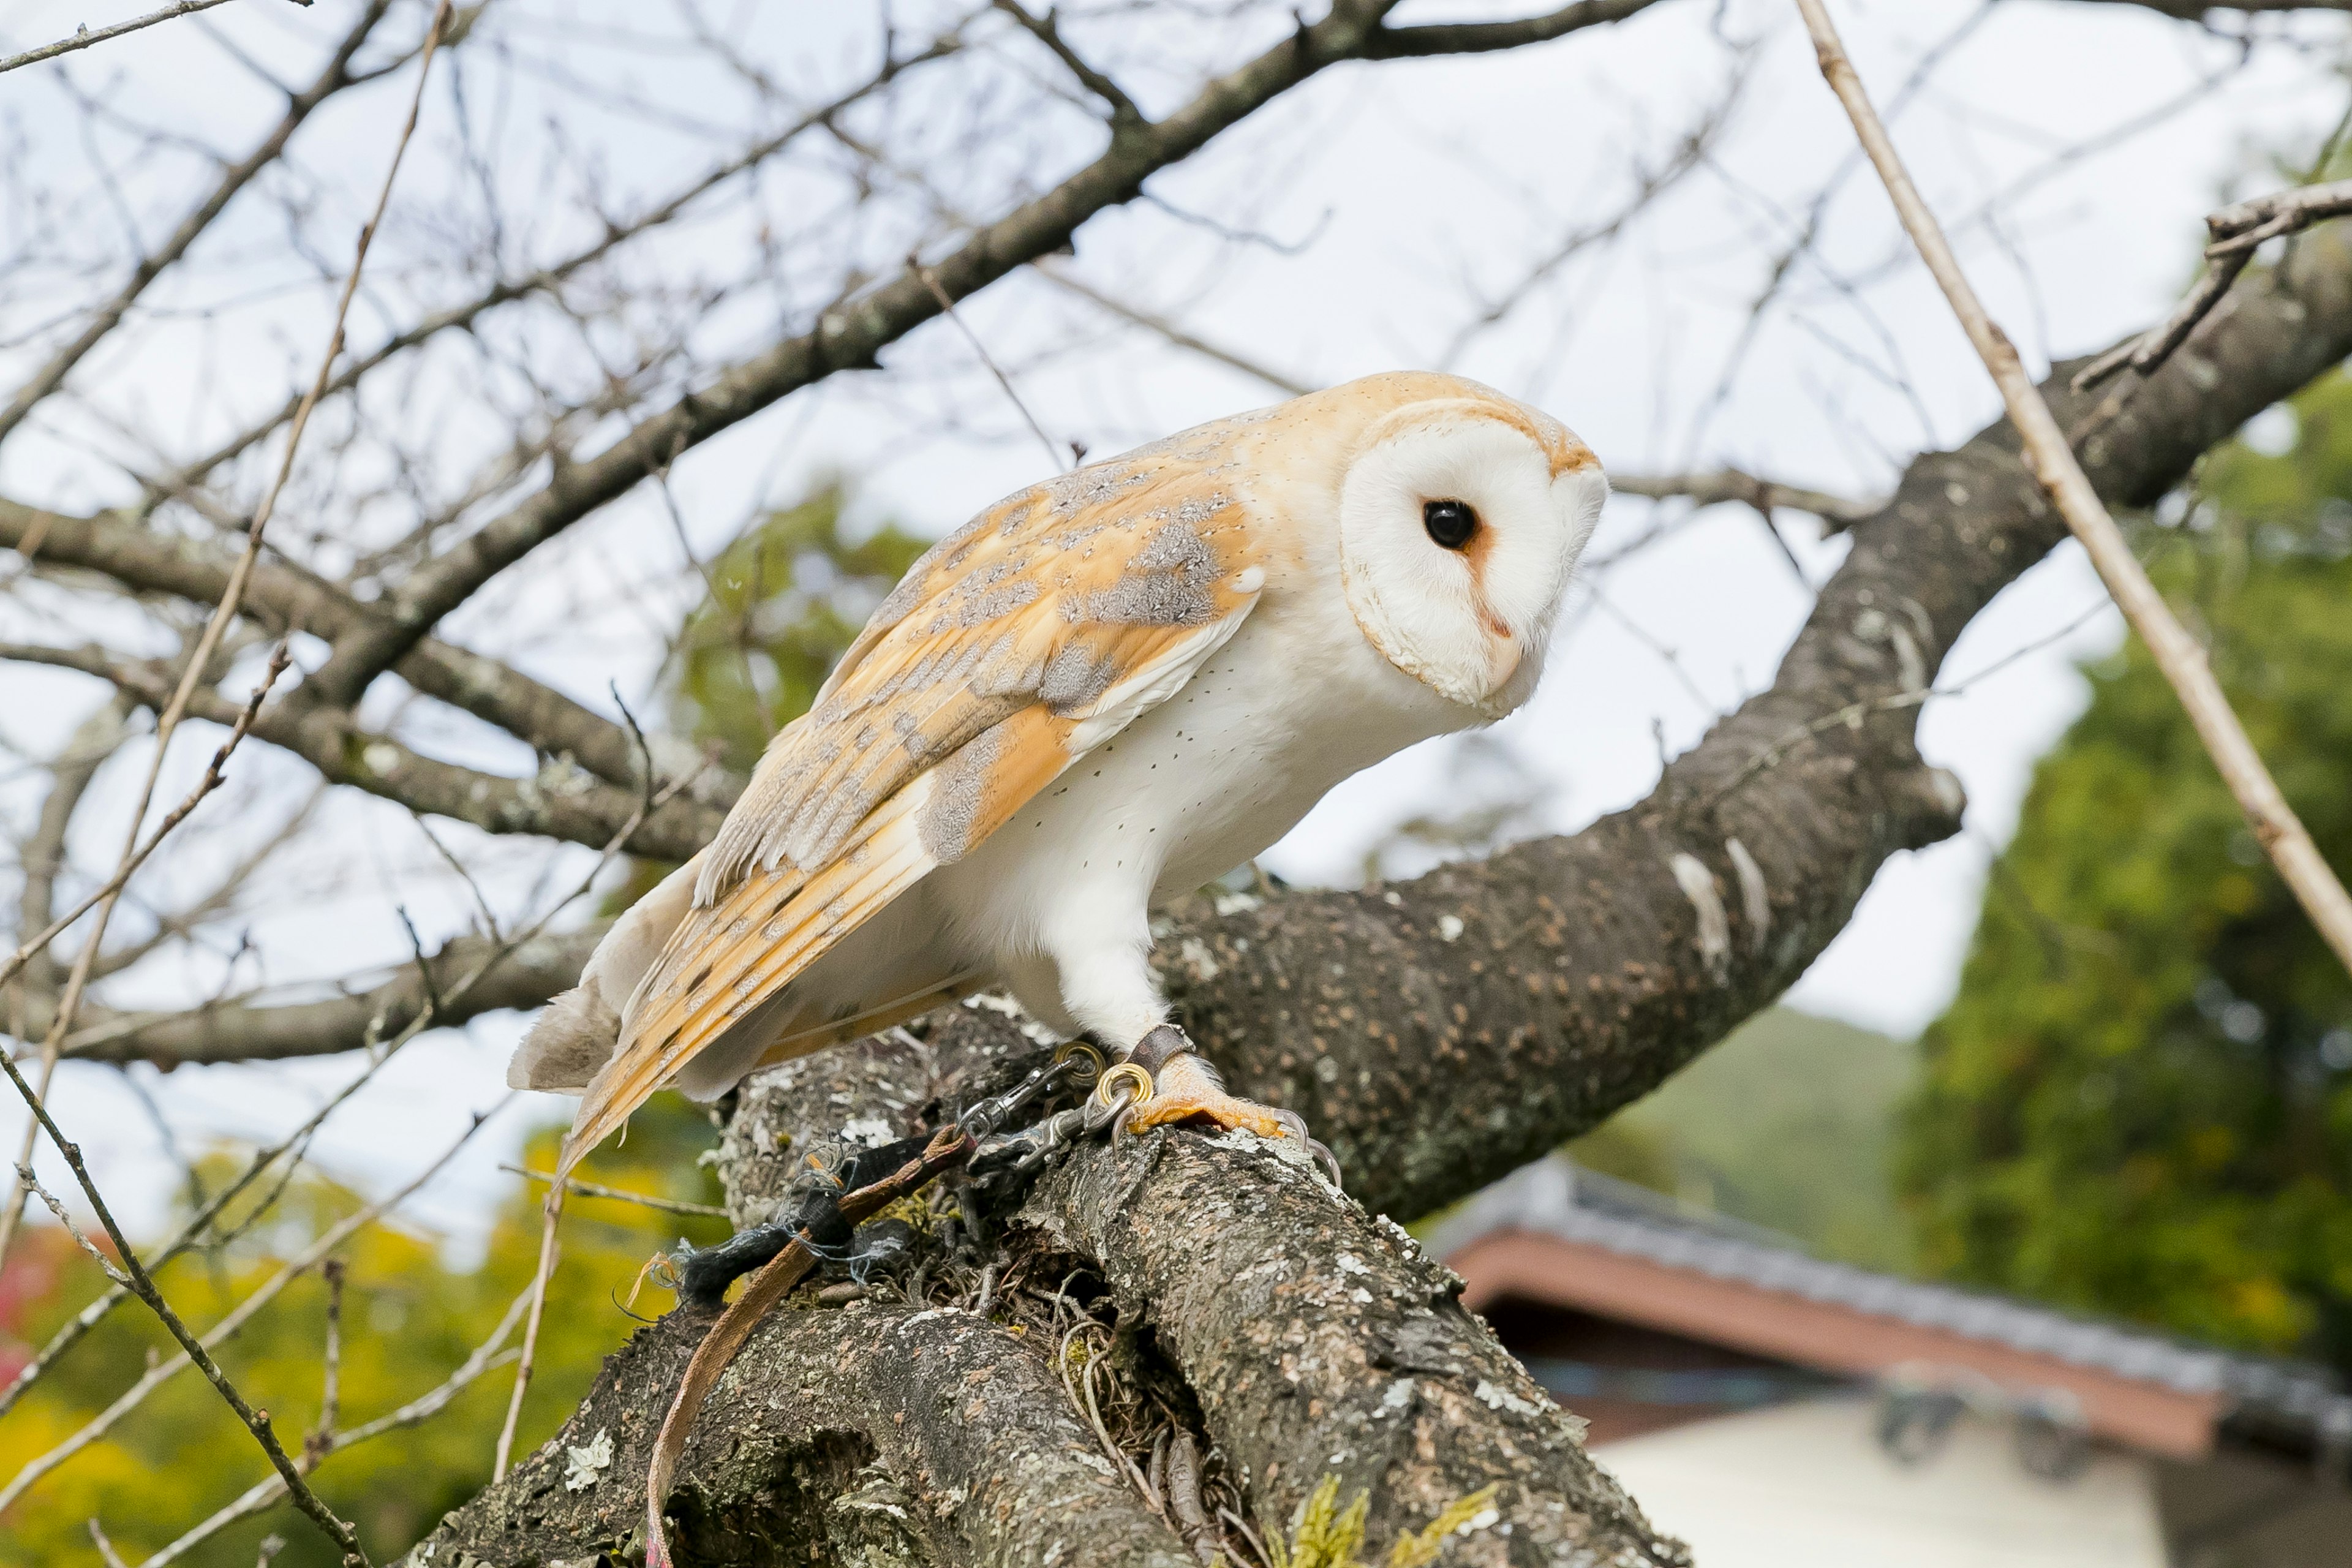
(1186, 1087)
(1183, 1088)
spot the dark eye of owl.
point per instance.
(1450, 523)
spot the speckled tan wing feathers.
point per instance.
(1015, 645)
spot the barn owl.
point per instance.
(1102, 692)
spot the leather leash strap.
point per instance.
(948, 1147)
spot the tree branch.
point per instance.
(1566, 977)
(245, 1031)
(850, 336)
(559, 801)
(336, 77)
(285, 597)
(2198, 10)
(1233, 1326)
(1837, 513)
(85, 37)
(2048, 452)
(1477, 37)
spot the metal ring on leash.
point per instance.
(1082, 1051)
(1124, 1073)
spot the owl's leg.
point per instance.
(1100, 950)
(1185, 1087)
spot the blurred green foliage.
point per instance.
(786, 598)
(409, 1319)
(2140, 1102)
(786, 601)
(1789, 1125)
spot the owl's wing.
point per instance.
(1016, 647)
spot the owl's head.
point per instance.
(1461, 517)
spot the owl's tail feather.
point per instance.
(577, 1033)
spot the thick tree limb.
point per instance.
(822, 1465)
(1218, 1255)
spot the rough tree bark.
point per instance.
(1437, 1033)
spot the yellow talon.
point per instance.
(1187, 1088)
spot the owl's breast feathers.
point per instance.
(1013, 647)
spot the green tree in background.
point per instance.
(409, 1319)
(784, 601)
(2140, 1101)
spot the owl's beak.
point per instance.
(1505, 655)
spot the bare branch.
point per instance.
(850, 335)
(1047, 30)
(1837, 512)
(333, 80)
(256, 1421)
(546, 279)
(508, 975)
(1280, 381)
(2236, 231)
(194, 1349)
(2051, 459)
(287, 597)
(44, 854)
(84, 38)
(487, 1357)
(2198, 10)
(1477, 37)
(644, 1200)
(558, 802)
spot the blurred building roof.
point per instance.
(1557, 1233)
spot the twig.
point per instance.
(1837, 513)
(232, 593)
(2052, 463)
(85, 37)
(256, 1421)
(2236, 230)
(96, 1311)
(106, 1551)
(549, 1251)
(49, 1200)
(104, 899)
(321, 1440)
(487, 1357)
(142, 1285)
(1060, 453)
(597, 1190)
(1281, 381)
(1047, 31)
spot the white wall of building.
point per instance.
(1807, 1485)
